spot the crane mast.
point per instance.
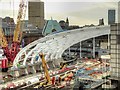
(11, 52)
(21, 15)
(4, 44)
(18, 32)
(44, 65)
(3, 40)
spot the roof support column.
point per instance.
(93, 47)
(80, 49)
(108, 42)
(69, 51)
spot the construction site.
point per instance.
(40, 54)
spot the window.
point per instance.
(53, 30)
(118, 39)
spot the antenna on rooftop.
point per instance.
(51, 18)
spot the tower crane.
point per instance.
(4, 44)
(18, 32)
(11, 52)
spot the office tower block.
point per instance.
(115, 50)
(36, 13)
(111, 16)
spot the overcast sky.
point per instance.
(79, 12)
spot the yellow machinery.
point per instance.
(3, 41)
(44, 65)
(18, 32)
(11, 52)
(62, 65)
(21, 15)
(4, 45)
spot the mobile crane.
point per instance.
(49, 81)
(11, 52)
(54, 81)
(44, 65)
(18, 32)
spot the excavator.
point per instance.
(10, 53)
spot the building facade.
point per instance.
(36, 13)
(115, 47)
(101, 21)
(51, 27)
(111, 16)
(30, 32)
(118, 12)
(64, 24)
(115, 50)
(8, 26)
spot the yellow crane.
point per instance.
(21, 16)
(11, 52)
(18, 32)
(44, 65)
(6, 56)
(3, 41)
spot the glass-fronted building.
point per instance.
(111, 16)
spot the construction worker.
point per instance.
(67, 81)
(100, 60)
(40, 87)
(70, 75)
(4, 65)
(57, 80)
(53, 80)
